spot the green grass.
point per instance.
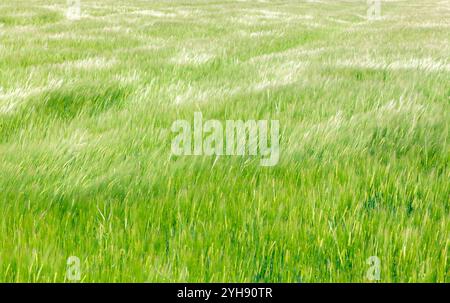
(85, 162)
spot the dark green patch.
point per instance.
(90, 99)
(359, 74)
(40, 18)
(63, 103)
(372, 202)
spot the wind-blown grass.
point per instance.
(86, 168)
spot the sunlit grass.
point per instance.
(86, 168)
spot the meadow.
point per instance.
(86, 170)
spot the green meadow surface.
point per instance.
(86, 109)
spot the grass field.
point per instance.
(86, 108)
